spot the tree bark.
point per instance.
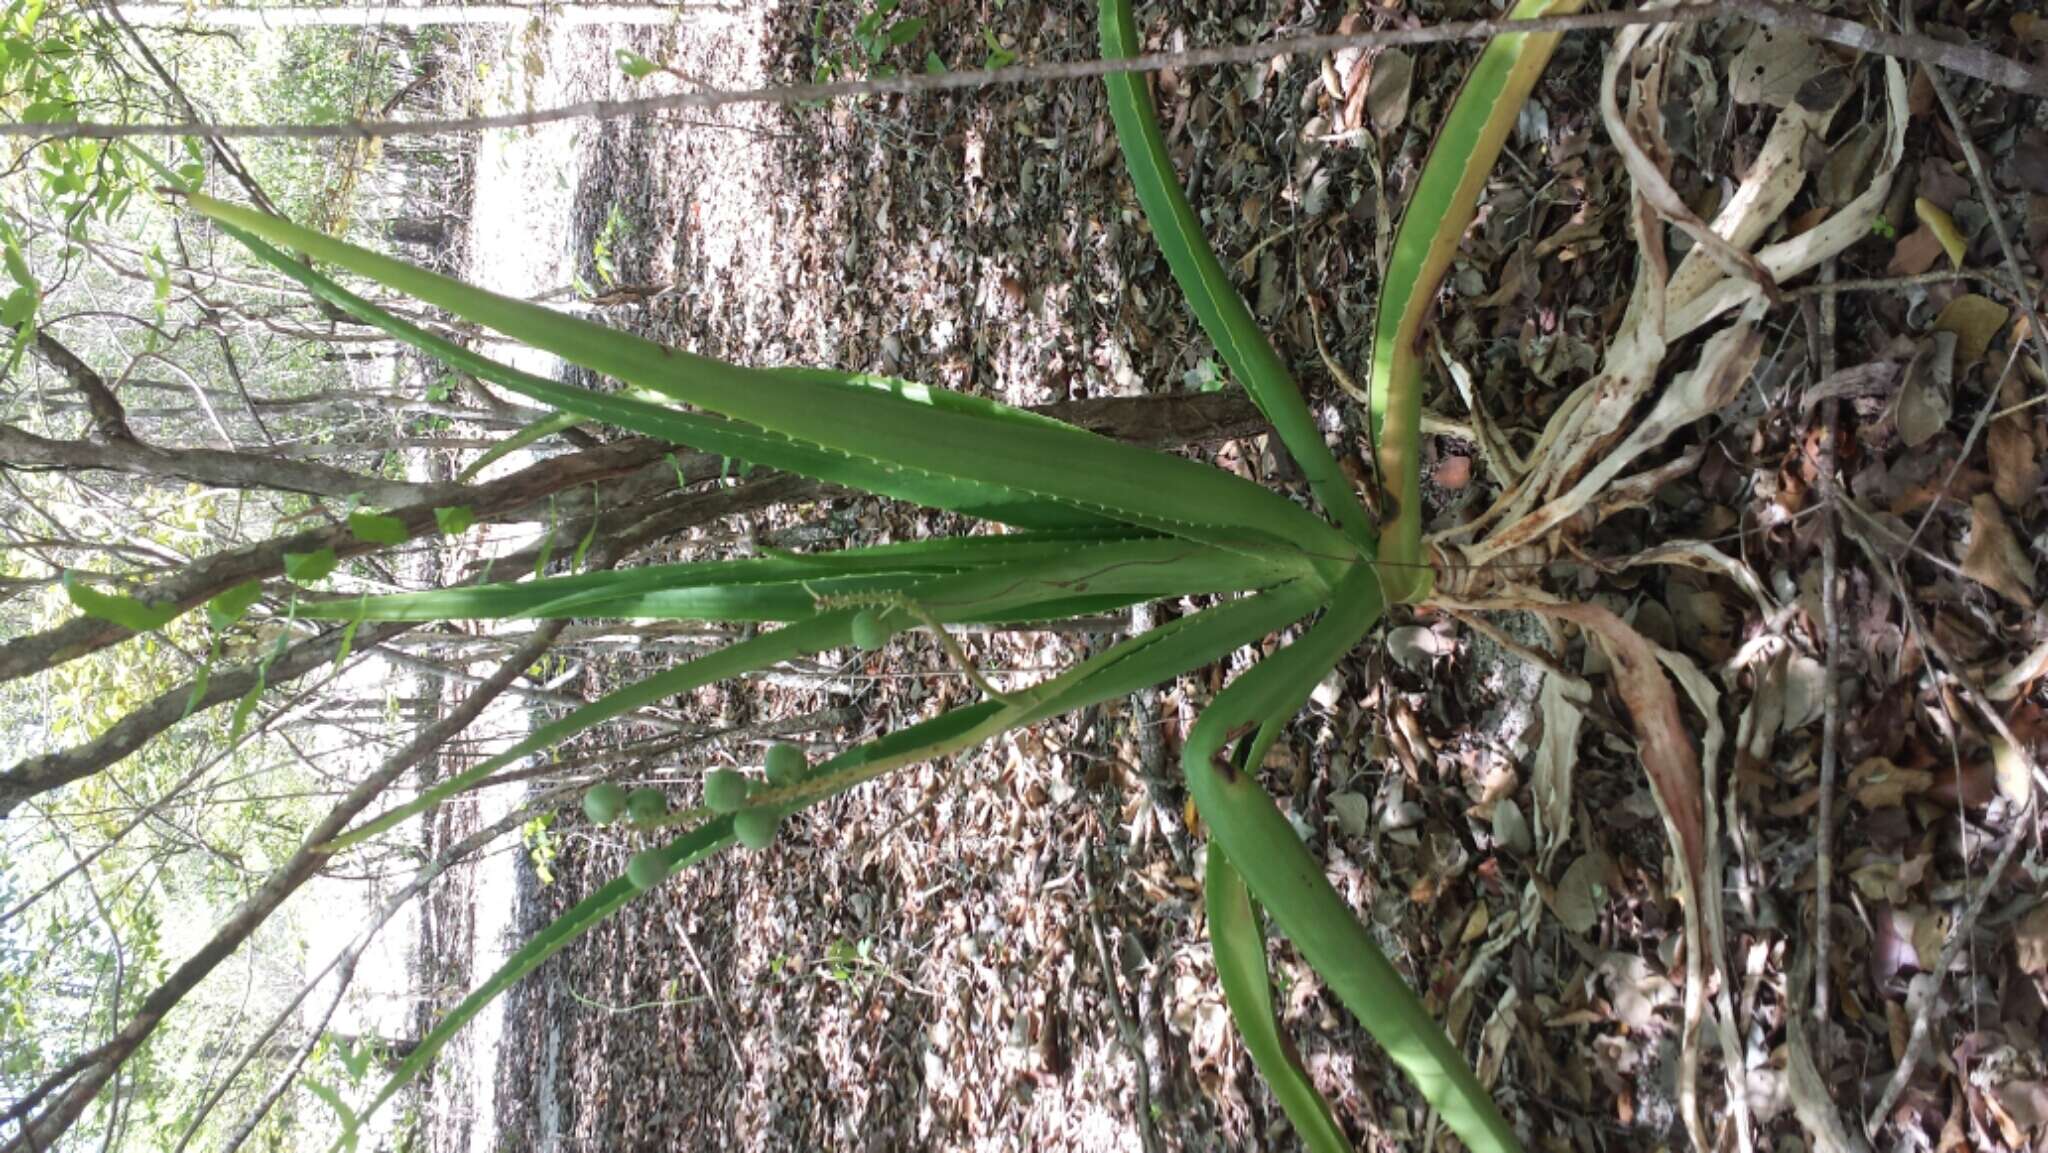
(109, 422)
(54, 770)
(218, 468)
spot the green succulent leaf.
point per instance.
(1239, 946)
(887, 424)
(1216, 303)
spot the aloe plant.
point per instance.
(1086, 524)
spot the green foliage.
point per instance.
(455, 519)
(606, 243)
(540, 846)
(374, 528)
(869, 47)
(225, 610)
(634, 65)
(309, 567)
(1238, 942)
(998, 56)
(125, 611)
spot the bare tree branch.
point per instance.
(230, 162)
(54, 770)
(109, 420)
(212, 575)
(217, 468)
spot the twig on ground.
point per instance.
(1969, 60)
(1828, 288)
(1112, 979)
(1820, 331)
(1928, 987)
(1152, 759)
(732, 1042)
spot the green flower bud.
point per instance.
(755, 828)
(785, 765)
(869, 632)
(725, 791)
(603, 802)
(647, 869)
(646, 806)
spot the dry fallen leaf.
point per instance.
(1877, 783)
(1386, 94)
(1923, 403)
(1772, 67)
(1886, 879)
(1511, 828)
(1995, 559)
(2030, 941)
(1848, 166)
(2009, 442)
(1915, 253)
(1582, 892)
(1975, 320)
(2010, 769)
(1354, 813)
(1944, 227)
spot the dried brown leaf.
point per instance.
(1995, 559)
(1975, 320)
(1386, 94)
(1582, 892)
(1924, 401)
(1550, 776)
(2009, 443)
(1876, 378)
(1772, 67)
(2030, 941)
(1877, 783)
(1915, 253)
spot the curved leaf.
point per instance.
(1239, 946)
(1202, 280)
(1289, 882)
(1433, 225)
(888, 424)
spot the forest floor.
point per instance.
(916, 964)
